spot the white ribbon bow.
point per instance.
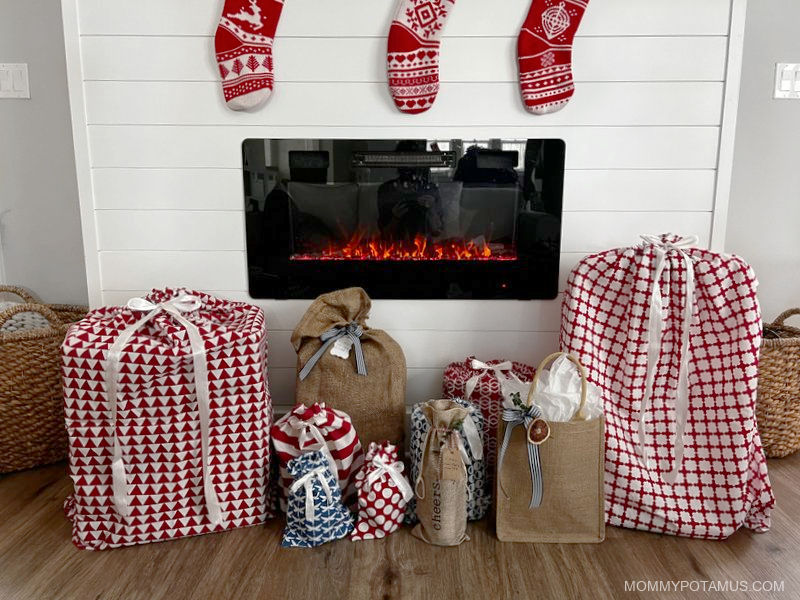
(307, 482)
(176, 307)
(655, 335)
(308, 430)
(395, 472)
(497, 370)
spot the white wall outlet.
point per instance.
(787, 80)
(14, 81)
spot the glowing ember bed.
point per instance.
(404, 218)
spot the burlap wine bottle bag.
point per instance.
(351, 367)
(441, 487)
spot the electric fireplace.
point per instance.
(410, 218)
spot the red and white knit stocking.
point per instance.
(243, 43)
(544, 49)
(413, 54)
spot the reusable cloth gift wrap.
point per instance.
(315, 514)
(471, 430)
(168, 414)
(383, 492)
(353, 368)
(550, 473)
(670, 334)
(441, 486)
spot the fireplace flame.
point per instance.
(420, 248)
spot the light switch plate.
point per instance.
(14, 80)
(787, 81)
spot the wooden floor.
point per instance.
(37, 559)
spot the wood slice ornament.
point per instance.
(538, 432)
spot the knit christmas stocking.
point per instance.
(413, 53)
(243, 43)
(544, 49)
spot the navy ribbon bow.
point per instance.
(354, 331)
(514, 417)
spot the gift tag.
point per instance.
(452, 467)
(341, 347)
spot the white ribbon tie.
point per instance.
(309, 430)
(654, 342)
(307, 482)
(499, 369)
(175, 308)
(395, 472)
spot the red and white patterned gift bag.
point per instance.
(168, 412)
(480, 383)
(318, 427)
(670, 334)
(383, 492)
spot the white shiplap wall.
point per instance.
(648, 136)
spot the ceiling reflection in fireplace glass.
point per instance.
(404, 218)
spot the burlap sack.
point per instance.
(572, 466)
(441, 488)
(375, 401)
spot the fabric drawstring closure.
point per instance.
(353, 331)
(514, 417)
(473, 439)
(484, 368)
(307, 482)
(395, 472)
(309, 430)
(176, 308)
(655, 333)
(448, 437)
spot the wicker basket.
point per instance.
(778, 405)
(31, 408)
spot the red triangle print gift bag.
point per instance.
(670, 334)
(168, 414)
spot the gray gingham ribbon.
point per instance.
(354, 331)
(514, 417)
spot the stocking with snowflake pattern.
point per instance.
(413, 53)
(544, 49)
(243, 44)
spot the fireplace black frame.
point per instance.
(534, 274)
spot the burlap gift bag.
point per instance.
(351, 367)
(550, 474)
(441, 486)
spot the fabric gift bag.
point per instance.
(168, 413)
(479, 382)
(471, 431)
(356, 369)
(318, 427)
(441, 486)
(316, 514)
(670, 334)
(550, 473)
(383, 493)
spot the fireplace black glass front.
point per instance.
(411, 218)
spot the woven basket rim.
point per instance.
(780, 342)
(44, 333)
(27, 335)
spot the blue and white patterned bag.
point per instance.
(315, 513)
(479, 497)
